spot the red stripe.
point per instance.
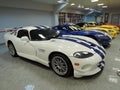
(1, 31)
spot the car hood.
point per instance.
(81, 32)
(78, 43)
(69, 44)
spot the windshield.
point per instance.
(74, 28)
(43, 34)
(106, 27)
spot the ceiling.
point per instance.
(113, 5)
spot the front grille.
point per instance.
(101, 64)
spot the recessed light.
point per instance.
(87, 8)
(104, 6)
(82, 6)
(60, 1)
(79, 6)
(100, 4)
(63, 1)
(94, 0)
(72, 4)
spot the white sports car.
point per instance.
(66, 55)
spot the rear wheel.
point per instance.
(61, 65)
(12, 49)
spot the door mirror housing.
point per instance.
(25, 38)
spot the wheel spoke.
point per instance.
(59, 65)
(11, 49)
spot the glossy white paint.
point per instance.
(40, 50)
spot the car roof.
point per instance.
(29, 28)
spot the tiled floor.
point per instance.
(22, 74)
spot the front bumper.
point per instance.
(113, 35)
(105, 43)
(87, 67)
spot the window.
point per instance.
(61, 28)
(42, 34)
(36, 35)
(22, 33)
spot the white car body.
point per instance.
(40, 51)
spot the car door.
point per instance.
(24, 48)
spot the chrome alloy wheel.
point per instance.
(59, 65)
(12, 49)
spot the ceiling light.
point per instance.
(82, 6)
(94, 0)
(72, 4)
(104, 6)
(100, 4)
(87, 8)
(62, 1)
(79, 6)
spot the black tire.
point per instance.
(61, 65)
(12, 49)
(118, 72)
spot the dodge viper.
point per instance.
(111, 27)
(68, 29)
(66, 55)
(108, 30)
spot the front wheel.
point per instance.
(12, 49)
(61, 65)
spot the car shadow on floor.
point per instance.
(35, 63)
(91, 76)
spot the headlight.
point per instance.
(110, 30)
(100, 35)
(82, 54)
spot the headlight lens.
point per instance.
(82, 54)
(110, 30)
(101, 35)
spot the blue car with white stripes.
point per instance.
(67, 29)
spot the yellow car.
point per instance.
(111, 27)
(110, 31)
(92, 23)
(88, 26)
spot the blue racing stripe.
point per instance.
(84, 44)
(97, 51)
(89, 43)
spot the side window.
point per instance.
(64, 28)
(36, 35)
(22, 33)
(43, 34)
(59, 27)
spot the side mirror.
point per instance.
(25, 38)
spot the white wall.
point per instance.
(26, 4)
(112, 17)
(13, 17)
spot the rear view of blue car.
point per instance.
(67, 29)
